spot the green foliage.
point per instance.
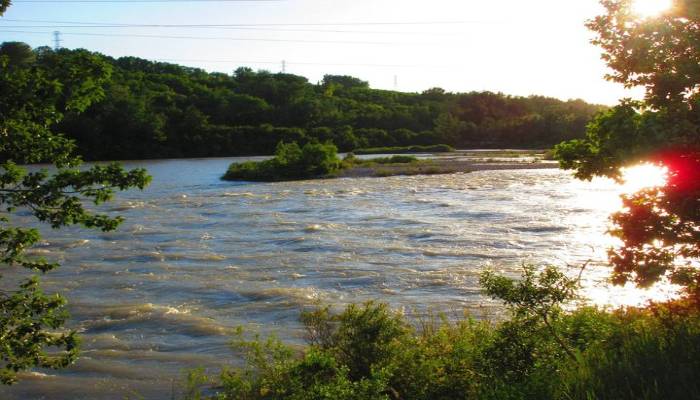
(289, 163)
(155, 110)
(272, 371)
(659, 228)
(536, 299)
(34, 99)
(537, 294)
(195, 381)
(344, 81)
(438, 148)
(315, 160)
(19, 54)
(452, 128)
(361, 338)
(645, 356)
(657, 53)
(371, 352)
(619, 137)
(27, 327)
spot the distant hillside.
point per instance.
(154, 110)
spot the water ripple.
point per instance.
(197, 257)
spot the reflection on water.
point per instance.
(197, 257)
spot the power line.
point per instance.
(272, 27)
(171, 60)
(217, 38)
(146, 1)
(376, 23)
(287, 63)
(232, 28)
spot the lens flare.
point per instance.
(650, 8)
(643, 176)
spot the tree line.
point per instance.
(541, 350)
(157, 110)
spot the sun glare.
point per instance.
(650, 8)
(643, 176)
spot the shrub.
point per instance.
(642, 357)
(289, 163)
(540, 351)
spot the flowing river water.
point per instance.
(198, 257)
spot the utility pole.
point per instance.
(56, 40)
(284, 66)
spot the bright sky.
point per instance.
(511, 46)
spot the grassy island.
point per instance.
(394, 165)
(437, 148)
(316, 160)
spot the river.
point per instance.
(198, 256)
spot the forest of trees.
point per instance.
(159, 110)
(542, 348)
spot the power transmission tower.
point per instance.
(56, 40)
(284, 66)
(396, 82)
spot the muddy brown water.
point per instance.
(198, 256)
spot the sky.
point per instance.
(516, 47)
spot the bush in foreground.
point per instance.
(540, 352)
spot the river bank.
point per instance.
(317, 161)
(437, 166)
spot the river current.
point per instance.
(198, 257)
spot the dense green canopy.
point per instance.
(155, 110)
(659, 227)
(38, 88)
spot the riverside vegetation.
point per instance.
(34, 99)
(541, 350)
(290, 162)
(160, 110)
(316, 160)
